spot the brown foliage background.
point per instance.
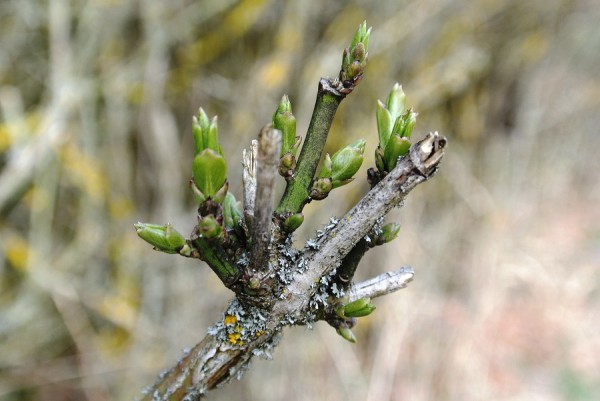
(96, 99)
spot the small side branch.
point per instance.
(249, 158)
(269, 147)
(383, 284)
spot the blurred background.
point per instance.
(96, 99)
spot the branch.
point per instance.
(297, 191)
(417, 167)
(383, 284)
(269, 147)
(220, 357)
(249, 158)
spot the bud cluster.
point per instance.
(338, 169)
(354, 59)
(394, 125)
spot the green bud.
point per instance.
(360, 307)
(326, 169)
(287, 164)
(367, 310)
(356, 305)
(163, 237)
(232, 211)
(395, 101)
(284, 120)
(346, 162)
(354, 70)
(389, 232)
(354, 58)
(321, 188)
(385, 123)
(361, 36)
(347, 334)
(205, 133)
(395, 148)
(209, 227)
(210, 172)
(292, 223)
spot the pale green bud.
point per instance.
(287, 164)
(361, 36)
(292, 223)
(396, 101)
(405, 123)
(210, 172)
(385, 123)
(326, 169)
(354, 58)
(347, 334)
(164, 238)
(360, 307)
(389, 232)
(205, 133)
(209, 227)
(284, 121)
(395, 148)
(346, 162)
(321, 188)
(232, 211)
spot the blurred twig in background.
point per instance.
(505, 295)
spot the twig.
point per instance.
(249, 180)
(269, 147)
(383, 284)
(297, 191)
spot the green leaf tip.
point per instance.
(205, 132)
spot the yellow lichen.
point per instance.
(229, 320)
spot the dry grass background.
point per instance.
(96, 98)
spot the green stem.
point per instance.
(297, 192)
(345, 273)
(217, 260)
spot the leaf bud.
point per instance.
(292, 223)
(209, 171)
(163, 237)
(346, 162)
(209, 227)
(389, 232)
(395, 148)
(232, 211)
(284, 120)
(321, 188)
(347, 334)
